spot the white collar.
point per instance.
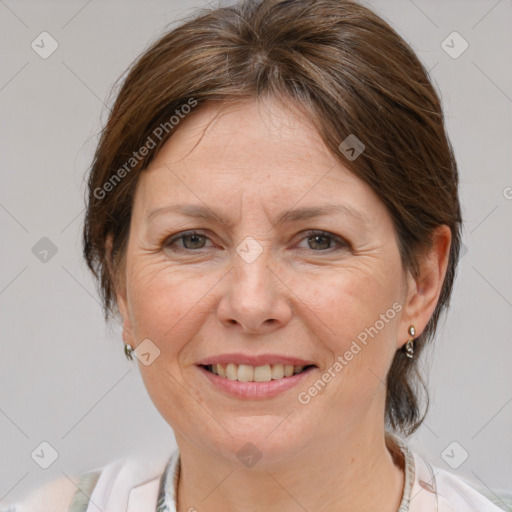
(426, 489)
(168, 483)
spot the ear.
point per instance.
(121, 295)
(425, 288)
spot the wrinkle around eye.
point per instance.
(181, 237)
(337, 243)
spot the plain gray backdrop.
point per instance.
(64, 378)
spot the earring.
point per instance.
(409, 346)
(128, 349)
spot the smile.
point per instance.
(247, 382)
(249, 373)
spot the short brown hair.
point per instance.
(349, 72)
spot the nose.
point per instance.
(255, 299)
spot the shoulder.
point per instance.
(54, 495)
(72, 493)
(444, 491)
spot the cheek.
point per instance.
(167, 304)
(357, 321)
(349, 300)
(334, 305)
(355, 314)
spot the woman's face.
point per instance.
(258, 286)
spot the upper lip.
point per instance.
(256, 360)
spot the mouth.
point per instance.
(265, 379)
(250, 373)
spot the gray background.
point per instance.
(64, 378)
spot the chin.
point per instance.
(262, 441)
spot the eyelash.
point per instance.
(342, 244)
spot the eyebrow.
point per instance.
(289, 216)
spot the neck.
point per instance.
(359, 473)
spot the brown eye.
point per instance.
(193, 241)
(322, 241)
(190, 241)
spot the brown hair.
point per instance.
(341, 65)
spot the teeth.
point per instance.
(248, 373)
(245, 373)
(277, 371)
(262, 373)
(232, 371)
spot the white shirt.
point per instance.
(127, 486)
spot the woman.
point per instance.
(273, 212)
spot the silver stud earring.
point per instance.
(128, 349)
(409, 346)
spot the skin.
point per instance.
(303, 298)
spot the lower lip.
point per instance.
(255, 390)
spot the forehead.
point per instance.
(251, 152)
(245, 132)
